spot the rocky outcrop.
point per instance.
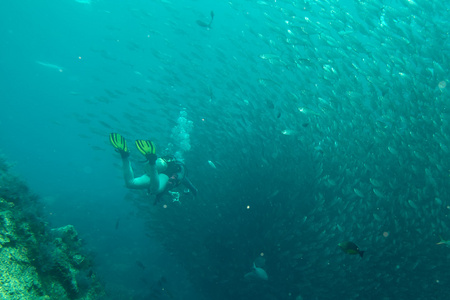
(37, 262)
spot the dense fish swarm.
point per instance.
(325, 122)
(372, 166)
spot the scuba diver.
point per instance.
(161, 174)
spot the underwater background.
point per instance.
(303, 124)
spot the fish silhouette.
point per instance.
(206, 25)
(256, 274)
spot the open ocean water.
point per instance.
(303, 124)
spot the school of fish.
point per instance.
(327, 121)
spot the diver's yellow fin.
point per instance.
(146, 147)
(118, 142)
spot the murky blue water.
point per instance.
(303, 124)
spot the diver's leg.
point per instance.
(120, 144)
(150, 170)
(128, 175)
(158, 182)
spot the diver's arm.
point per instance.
(187, 183)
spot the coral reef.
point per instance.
(37, 262)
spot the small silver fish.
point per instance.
(212, 164)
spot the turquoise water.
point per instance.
(325, 121)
